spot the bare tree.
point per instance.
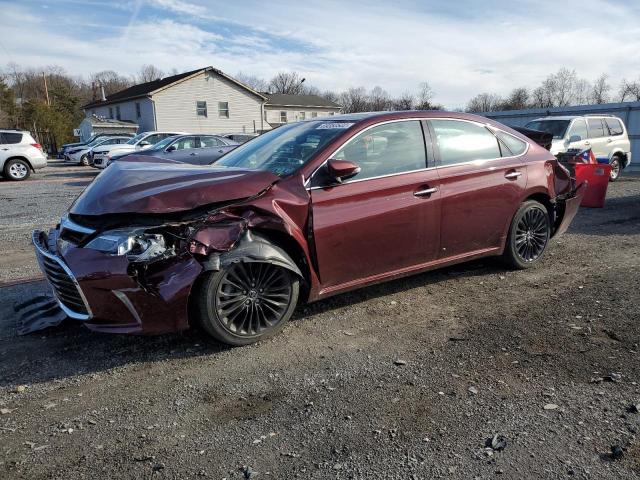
(518, 99)
(287, 82)
(111, 81)
(562, 87)
(425, 95)
(484, 102)
(600, 89)
(582, 91)
(379, 99)
(252, 81)
(149, 73)
(630, 91)
(405, 101)
(354, 100)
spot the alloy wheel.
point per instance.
(615, 169)
(18, 170)
(253, 298)
(532, 234)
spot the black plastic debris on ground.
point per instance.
(38, 313)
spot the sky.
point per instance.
(460, 47)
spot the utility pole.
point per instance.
(46, 90)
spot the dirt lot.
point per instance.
(402, 380)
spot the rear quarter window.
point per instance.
(514, 146)
(10, 138)
(614, 125)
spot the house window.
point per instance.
(283, 117)
(201, 109)
(118, 112)
(138, 114)
(223, 109)
(302, 116)
(314, 114)
(110, 112)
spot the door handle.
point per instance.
(425, 193)
(512, 175)
(587, 142)
(193, 154)
(609, 140)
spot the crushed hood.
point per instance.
(150, 187)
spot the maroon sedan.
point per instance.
(303, 212)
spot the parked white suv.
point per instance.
(606, 135)
(20, 154)
(142, 141)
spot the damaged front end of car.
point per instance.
(125, 272)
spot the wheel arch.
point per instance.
(18, 157)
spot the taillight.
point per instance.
(37, 145)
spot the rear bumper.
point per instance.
(38, 162)
(569, 205)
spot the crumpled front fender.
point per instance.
(253, 247)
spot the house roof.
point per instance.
(286, 100)
(148, 88)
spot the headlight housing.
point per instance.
(137, 245)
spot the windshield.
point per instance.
(285, 149)
(135, 139)
(557, 128)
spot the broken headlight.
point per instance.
(136, 245)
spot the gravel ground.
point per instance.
(402, 380)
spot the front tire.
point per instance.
(246, 302)
(616, 167)
(529, 235)
(84, 161)
(17, 170)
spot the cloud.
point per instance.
(461, 48)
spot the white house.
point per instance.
(206, 100)
(282, 108)
(200, 101)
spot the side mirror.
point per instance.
(171, 148)
(341, 170)
(575, 138)
(144, 143)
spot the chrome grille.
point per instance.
(65, 286)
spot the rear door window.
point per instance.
(461, 141)
(596, 129)
(614, 125)
(9, 138)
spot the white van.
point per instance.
(606, 135)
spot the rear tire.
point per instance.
(246, 302)
(529, 235)
(616, 168)
(17, 169)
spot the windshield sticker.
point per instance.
(342, 125)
